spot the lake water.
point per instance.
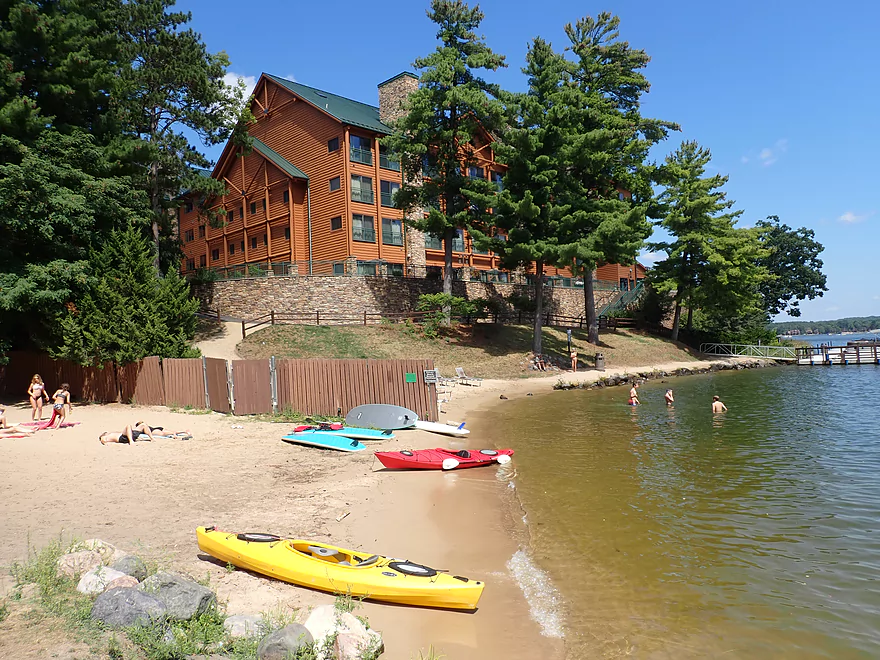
(835, 340)
(676, 533)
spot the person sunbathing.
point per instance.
(16, 430)
(160, 431)
(128, 435)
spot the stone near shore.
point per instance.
(355, 645)
(97, 580)
(123, 608)
(131, 565)
(353, 637)
(283, 644)
(77, 563)
(183, 598)
(126, 581)
(109, 552)
(244, 625)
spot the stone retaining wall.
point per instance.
(252, 297)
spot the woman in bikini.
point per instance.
(128, 435)
(36, 393)
(143, 427)
(60, 406)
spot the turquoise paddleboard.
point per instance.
(354, 432)
(324, 441)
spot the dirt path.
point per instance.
(222, 342)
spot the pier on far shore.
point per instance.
(855, 352)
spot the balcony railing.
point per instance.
(363, 234)
(365, 196)
(359, 155)
(388, 199)
(387, 163)
(391, 238)
(433, 243)
(458, 245)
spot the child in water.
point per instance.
(669, 398)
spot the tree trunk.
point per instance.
(590, 308)
(447, 271)
(537, 347)
(155, 199)
(690, 321)
(676, 321)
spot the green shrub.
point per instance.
(435, 303)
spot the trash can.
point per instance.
(600, 361)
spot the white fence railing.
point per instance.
(746, 350)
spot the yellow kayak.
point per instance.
(337, 570)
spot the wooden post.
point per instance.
(317, 317)
(243, 331)
(272, 315)
(365, 317)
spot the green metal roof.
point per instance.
(282, 163)
(345, 110)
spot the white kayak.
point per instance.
(443, 429)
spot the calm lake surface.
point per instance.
(676, 533)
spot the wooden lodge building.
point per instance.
(314, 196)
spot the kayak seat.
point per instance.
(463, 453)
(369, 560)
(322, 552)
(343, 563)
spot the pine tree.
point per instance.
(608, 148)
(127, 312)
(434, 139)
(529, 210)
(711, 264)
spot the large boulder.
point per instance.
(245, 625)
(183, 598)
(283, 644)
(126, 581)
(76, 563)
(96, 580)
(131, 565)
(354, 645)
(353, 638)
(123, 608)
(109, 552)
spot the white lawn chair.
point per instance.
(464, 379)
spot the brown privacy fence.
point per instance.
(310, 387)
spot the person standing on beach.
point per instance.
(60, 406)
(574, 359)
(36, 393)
(634, 395)
(669, 398)
(718, 405)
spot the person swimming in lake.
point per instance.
(669, 398)
(634, 395)
(718, 405)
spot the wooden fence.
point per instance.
(310, 387)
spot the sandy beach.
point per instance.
(150, 497)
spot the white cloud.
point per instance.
(651, 258)
(833, 308)
(770, 155)
(290, 77)
(744, 159)
(231, 79)
(851, 218)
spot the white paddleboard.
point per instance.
(443, 429)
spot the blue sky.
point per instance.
(786, 94)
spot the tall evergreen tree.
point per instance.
(531, 209)
(172, 87)
(710, 264)
(434, 139)
(127, 311)
(607, 149)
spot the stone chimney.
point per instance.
(393, 92)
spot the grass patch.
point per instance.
(290, 416)
(4, 611)
(430, 654)
(485, 350)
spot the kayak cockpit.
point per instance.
(333, 555)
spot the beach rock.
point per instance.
(97, 580)
(352, 645)
(109, 552)
(502, 397)
(244, 625)
(29, 591)
(325, 622)
(126, 581)
(183, 598)
(284, 643)
(321, 622)
(123, 608)
(131, 565)
(77, 563)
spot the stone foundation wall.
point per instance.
(252, 297)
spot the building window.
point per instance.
(433, 272)
(286, 196)
(366, 268)
(497, 179)
(388, 190)
(253, 208)
(395, 270)
(188, 235)
(232, 248)
(201, 231)
(361, 189)
(621, 196)
(336, 223)
(264, 204)
(287, 233)
(242, 246)
(215, 255)
(332, 145)
(335, 183)
(253, 243)
(362, 228)
(475, 172)
(361, 150)
(433, 242)
(241, 212)
(458, 241)
(387, 160)
(203, 260)
(188, 207)
(266, 239)
(392, 231)
(190, 264)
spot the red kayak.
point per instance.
(442, 459)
